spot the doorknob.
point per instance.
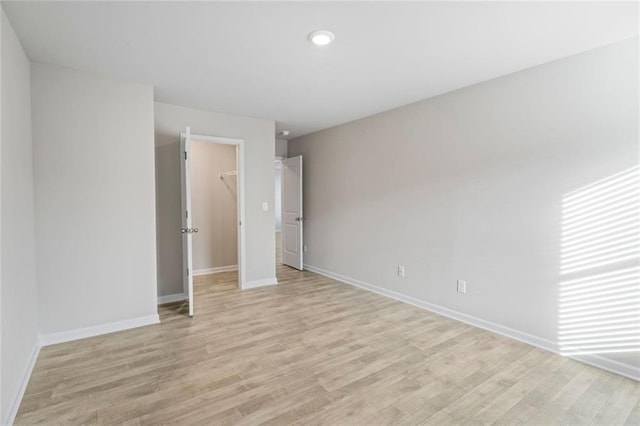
(299, 219)
(189, 230)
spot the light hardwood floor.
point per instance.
(315, 351)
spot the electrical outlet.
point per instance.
(401, 271)
(304, 248)
(462, 286)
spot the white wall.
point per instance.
(95, 217)
(19, 293)
(259, 138)
(2, 19)
(281, 147)
(214, 205)
(469, 185)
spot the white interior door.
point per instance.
(292, 246)
(187, 230)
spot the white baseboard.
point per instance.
(17, 399)
(617, 367)
(81, 333)
(259, 283)
(217, 269)
(172, 298)
(594, 360)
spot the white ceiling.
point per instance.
(254, 59)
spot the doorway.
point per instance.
(212, 180)
(278, 208)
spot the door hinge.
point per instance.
(185, 155)
(187, 271)
(186, 214)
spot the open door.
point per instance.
(187, 230)
(292, 247)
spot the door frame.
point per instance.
(277, 165)
(240, 202)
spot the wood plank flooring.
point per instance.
(314, 351)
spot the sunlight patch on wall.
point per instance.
(600, 267)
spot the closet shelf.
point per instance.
(223, 175)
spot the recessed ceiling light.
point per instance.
(321, 37)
